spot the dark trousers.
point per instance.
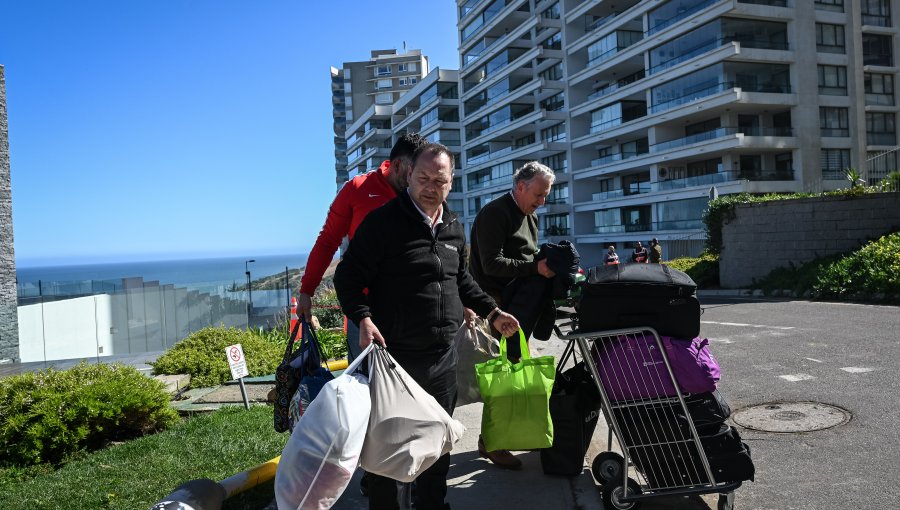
(436, 374)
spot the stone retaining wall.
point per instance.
(765, 236)
(9, 324)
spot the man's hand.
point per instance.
(368, 332)
(469, 315)
(304, 306)
(506, 324)
(544, 270)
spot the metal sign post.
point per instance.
(238, 365)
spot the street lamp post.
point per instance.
(249, 289)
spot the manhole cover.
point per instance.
(791, 417)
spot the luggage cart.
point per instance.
(647, 413)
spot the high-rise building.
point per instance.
(647, 108)
(358, 87)
(9, 323)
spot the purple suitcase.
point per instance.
(631, 367)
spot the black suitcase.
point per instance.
(574, 408)
(679, 464)
(640, 423)
(631, 295)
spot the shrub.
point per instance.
(46, 417)
(872, 270)
(334, 343)
(202, 355)
(328, 309)
(704, 270)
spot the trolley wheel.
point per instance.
(607, 467)
(612, 494)
(726, 501)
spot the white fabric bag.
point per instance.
(473, 345)
(323, 450)
(408, 429)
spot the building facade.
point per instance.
(647, 108)
(9, 324)
(356, 88)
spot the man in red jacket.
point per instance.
(359, 196)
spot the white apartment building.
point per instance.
(358, 86)
(646, 108)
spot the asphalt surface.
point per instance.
(845, 355)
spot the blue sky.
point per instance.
(184, 128)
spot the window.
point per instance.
(554, 72)
(383, 71)
(556, 225)
(879, 89)
(557, 162)
(830, 38)
(832, 80)
(384, 84)
(881, 128)
(830, 5)
(877, 50)
(413, 81)
(555, 133)
(834, 162)
(554, 103)
(636, 184)
(384, 98)
(876, 12)
(402, 82)
(551, 12)
(834, 121)
(559, 194)
(402, 67)
(553, 42)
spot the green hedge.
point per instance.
(704, 270)
(202, 355)
(872, 271)
(46, 417)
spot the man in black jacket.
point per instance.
(409, 254)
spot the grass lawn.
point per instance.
(134, 475)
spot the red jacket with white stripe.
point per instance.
(359, 196)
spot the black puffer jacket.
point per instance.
(418, 283)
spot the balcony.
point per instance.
(876, 20)
(884, 138)
(555, 230)
(777, 174)
(612, 87)
(697, 180)
(680, 16)
(692, 224)
(607, 195)
(879, 99)
(489, 183)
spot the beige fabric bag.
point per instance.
(408, 430)
(473, 345)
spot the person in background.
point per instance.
(354, 201)
(612, 258)
(410, 255)
(655, 251)
(504, 244)
(639, 254)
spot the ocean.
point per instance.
(191, 273)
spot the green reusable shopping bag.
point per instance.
(516, 413)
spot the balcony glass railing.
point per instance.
(693, 96)
(590, 26)
(697, 180)
(619, 228)
(881, 138)
(835, 132)
(880, 99)
(489, 182)
(620, 156)
(554, 230)
(777, 174)
(607, 195)
(612, 87)
(680, 16)
(772, 3)
(487, 156)
(876, 20)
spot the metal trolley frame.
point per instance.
(655, 432)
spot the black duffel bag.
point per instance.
(632, 295)
(574, 409)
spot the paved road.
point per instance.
(846, 355)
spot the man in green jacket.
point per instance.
(504, 242)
